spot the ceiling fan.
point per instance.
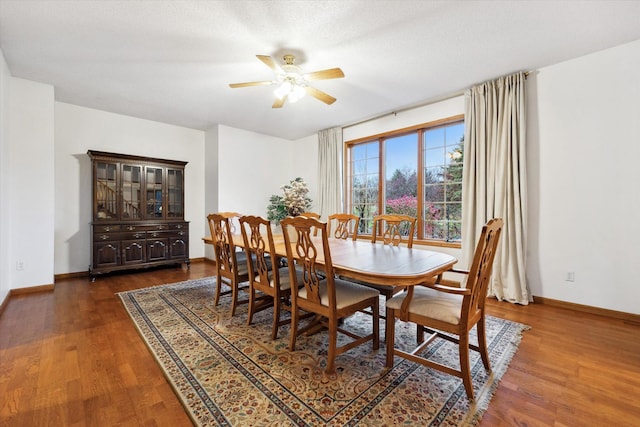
(292, 83)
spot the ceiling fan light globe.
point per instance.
(297, 93)
(283, 90)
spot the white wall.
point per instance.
(253, 166)
(584, 148)
(5, 244)
(210, 181)
(243, 170)
(31, 185)
(78, 129)
(305, 165)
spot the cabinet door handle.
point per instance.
(179, 226)
(104, 237)
(137, 235)
(107, 229)
(131, 228)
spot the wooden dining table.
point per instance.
(375, 263)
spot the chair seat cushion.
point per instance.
(285, 283)
(428, 302)
(347, 293)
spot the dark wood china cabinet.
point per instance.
(138, 213)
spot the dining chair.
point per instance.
(231, 265)
(392, 229)
(346, 226)
(273, 283)
(449, 312)
(331, 299)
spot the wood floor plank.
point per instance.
(73, 357)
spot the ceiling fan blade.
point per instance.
(318, 94)
(264, 83)
(331, 73)
(278, 103)
(269, 62)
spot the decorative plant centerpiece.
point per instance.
(293, 202)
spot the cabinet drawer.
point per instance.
(135, 235)
(106, 228)
(180, 233)
(136, 228)
(154, 234)
(107, 237)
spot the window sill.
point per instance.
(436, 243)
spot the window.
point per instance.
(383, 177)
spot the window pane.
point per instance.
(401, 184)
(364, 166)
(434, 138)
(434, 157)
(443, 159)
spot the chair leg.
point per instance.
(234, 298)
(218, 291)
(482, 344)
(390, 336)
(333, 343)
(252, 306)
(465, 368)
(375, 307)
(294, 327)
(276, 318)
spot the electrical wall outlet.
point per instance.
(571, 276)
(19, 265)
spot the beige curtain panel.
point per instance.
(329, 172)
(494, 179)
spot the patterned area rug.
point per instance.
(230, 374)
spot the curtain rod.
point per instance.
(395, 112)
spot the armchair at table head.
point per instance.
(393, 229)
(346, 226)
(454, 311)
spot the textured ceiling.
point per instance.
(172, 61)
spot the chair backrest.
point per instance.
(223, 247)
(482, 264)
(260, 249)
(346, 225)
(311, 215)
(304, 253)
(391, 228)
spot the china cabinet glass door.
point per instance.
(153, 192)
(106, 200)
(131, 192)
(175, 191)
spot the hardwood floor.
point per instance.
(72, 357)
